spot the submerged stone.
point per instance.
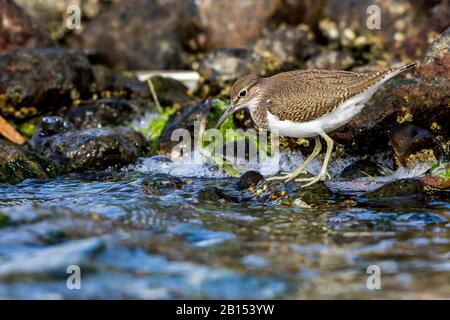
(362, 168)
(398, 188)
(161, 184)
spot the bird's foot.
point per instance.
(286, 176)
(312, 180)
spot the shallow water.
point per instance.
(129, 244)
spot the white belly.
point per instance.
(343, 114)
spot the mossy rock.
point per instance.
(17, 164)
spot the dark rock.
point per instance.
(231, 23)
(109, 83)
(425, 100)
(34, 81)
(407, 139)
(362, 168)
(17, 164)
(184, 119)
(161, 184)
(317, 194)
(52, 125)
(221, 195)
(112, 84)
(106, 112)
(437, 58)
(95, 149)
(170, 91)
(17, 30)
(398, 188)
(139, 34)
(222, 66)
(249, 179)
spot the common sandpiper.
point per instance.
(306, 103)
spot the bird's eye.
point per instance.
(243, 93)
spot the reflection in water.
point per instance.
(133, 245)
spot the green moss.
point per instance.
(4, 219)
(27, 129)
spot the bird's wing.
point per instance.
(306, 95)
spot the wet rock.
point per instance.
(407, 140)
(138, 34)
(232, 23)
(249, 179)
(398, 188)
(17, 164)
(425, 101)
(18, 30)
(287, 47)
(221, 66)
(184, 119)
(106, 112)
(34, 81)
(362, 168)
(221, 195)
(437, 58)
(314, 195)
(331, 60)
(52, 125)
(95, 149)
(161, 184)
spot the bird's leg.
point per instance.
(323, 174)
(300, 170)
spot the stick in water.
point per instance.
(9, 132)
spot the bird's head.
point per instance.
(243, 91)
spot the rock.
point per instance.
(34, 81)
(425, 101)
(315, 195)
(362, 168)
(18, 30)
(221, 66)
(184, 118)
(106, 112)
(171, 91)
(17, 164)
(50, 126)
(407, 140)
(140, 34)
(403, 24)
(234, 23)
(109, 83)
(249, 179)
(161, 184)
(113, 84)
(53, 13)
(95, 149)
(436, 62)
(331, 60)
(287, 47)
(398, 188)
(221, 195)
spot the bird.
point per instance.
(306, 103)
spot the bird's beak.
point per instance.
(230, 110)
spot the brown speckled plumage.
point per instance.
(305, 95)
